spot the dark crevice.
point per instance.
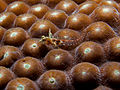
(2, 57)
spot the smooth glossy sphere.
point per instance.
(21, 84)
(42, 27)
(97, 1)
(68, 6)
(5, 76)
(54, 80)
(86, 52)
(99, 32)
(32, 2)
(103, 88)
(85, 74)
(110, 3)
(7, 19)
(17, 7)
(3, 5)
(57, 17)
(59, 59)
(28, 67)
(87, 7)
(25, 21)
(33, 47)
(68, 34)
(112, 49)
(111, 74)
(106, 14)
(10, 1)
(51, 3)
(39, 10)
(8, 55)
(78, 21)
(2, 31)
(69, 37)
(15, 36)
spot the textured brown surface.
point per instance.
(59, 45)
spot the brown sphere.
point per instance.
(111, 74)
(32, 2)
(106, 14)
(17, 7)
(28, 67)
(78, 21)
(57, 17)
(110, 3)
(25, 21)
(99, 32)
(21, 84)
(51, 3)
(15, 36)
(59, 59)
(7, 19)
(2, 31)
(54, 80)
(39, 10)
(79, 1)
(41, 28)
(112, 49)
(5, 76)
(3, 5)
(86, 52)
(33, 47)
(85, 74)
(103, 88)
(68, 34)
(10, 1)
(97, 1)
(68, 6)
(87, 7)
(8, 55)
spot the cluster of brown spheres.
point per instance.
(59, 44)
